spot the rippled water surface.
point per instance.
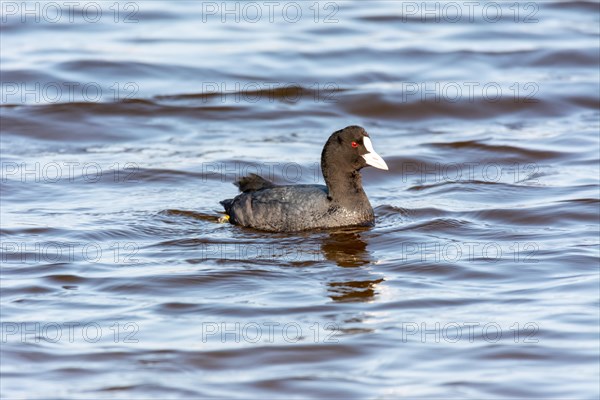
(124, 125)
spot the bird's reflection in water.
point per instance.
(347, 249)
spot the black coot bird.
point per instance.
(265, 206)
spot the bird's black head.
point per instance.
(349, 150)
(345, 153)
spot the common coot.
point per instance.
(266, 206)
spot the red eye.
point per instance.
(354, 144)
